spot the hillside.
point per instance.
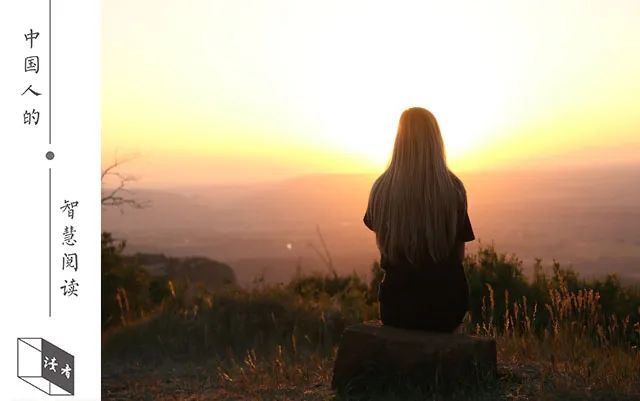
(558, 337)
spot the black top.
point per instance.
(464, 232)
(430, 297)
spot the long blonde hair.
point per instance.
(416, 202)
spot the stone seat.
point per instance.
(429, 360)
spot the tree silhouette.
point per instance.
(117, 196)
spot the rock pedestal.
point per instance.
(371, 351)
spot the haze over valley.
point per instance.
(584, 217)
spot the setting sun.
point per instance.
(255, 90)
(258, 243)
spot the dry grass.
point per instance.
(528, 370)
(576, 352)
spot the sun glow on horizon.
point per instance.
(216, 90)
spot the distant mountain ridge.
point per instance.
(196, 270)
(588, 218)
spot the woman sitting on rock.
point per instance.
(418, 211)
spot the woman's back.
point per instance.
(430, 295)
(418, 211)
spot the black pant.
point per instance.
(424, 299)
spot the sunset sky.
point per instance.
(239, 91)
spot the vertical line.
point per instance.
(49, 72)
(49, 241)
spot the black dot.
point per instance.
(50, 155)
